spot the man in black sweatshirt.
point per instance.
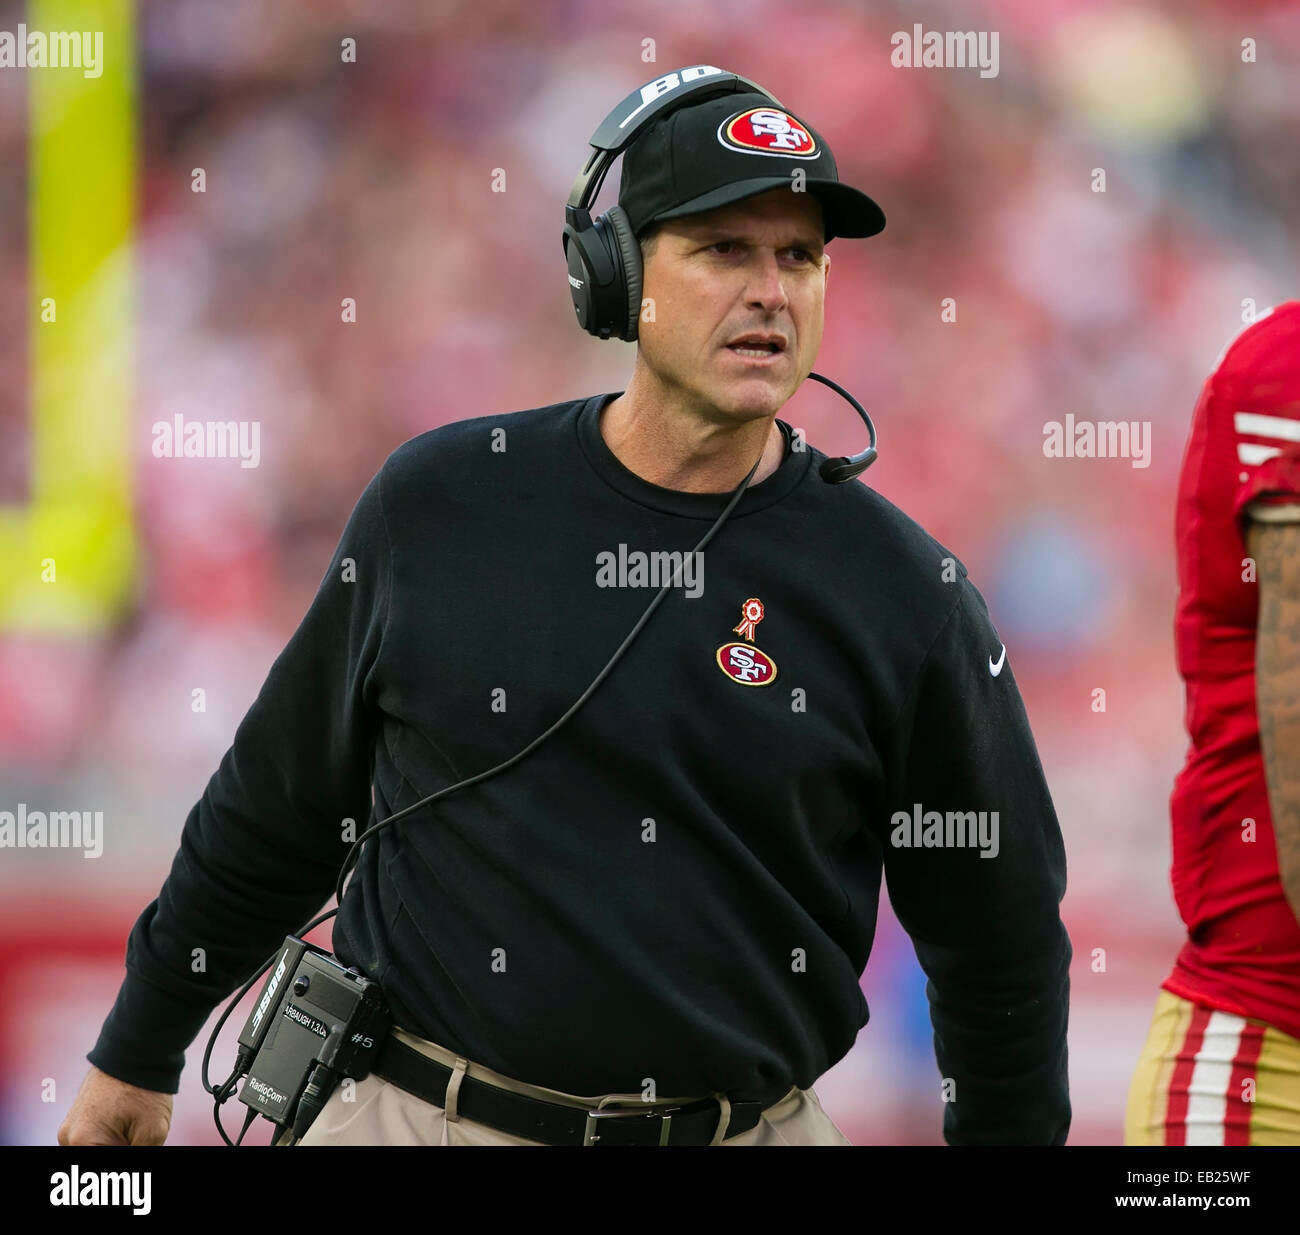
(673, 898)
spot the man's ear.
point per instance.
(826, 265)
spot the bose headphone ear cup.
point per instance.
(580, 289)
(628, 261)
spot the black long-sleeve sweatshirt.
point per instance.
(682, 882)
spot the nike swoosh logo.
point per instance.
(996, 669)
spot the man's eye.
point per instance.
(803, 255)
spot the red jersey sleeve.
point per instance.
(1271, 493)
(1258, 380)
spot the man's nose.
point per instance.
(766, 287)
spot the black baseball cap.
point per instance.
(732, 147)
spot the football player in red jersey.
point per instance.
(1221, 1065)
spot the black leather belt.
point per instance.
(552, 1123)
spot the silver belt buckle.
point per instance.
(590, 1136)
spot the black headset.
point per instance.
(603, 254)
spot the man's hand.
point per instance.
(107, 1111)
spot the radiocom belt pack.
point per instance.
(315, 1023)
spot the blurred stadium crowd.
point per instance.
(373, 180)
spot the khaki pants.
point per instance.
(379, 1113)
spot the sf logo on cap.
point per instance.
(767, 130)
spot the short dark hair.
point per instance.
(648, 238)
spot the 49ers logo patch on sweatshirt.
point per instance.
(741, 661)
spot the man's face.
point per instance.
(757, 265)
